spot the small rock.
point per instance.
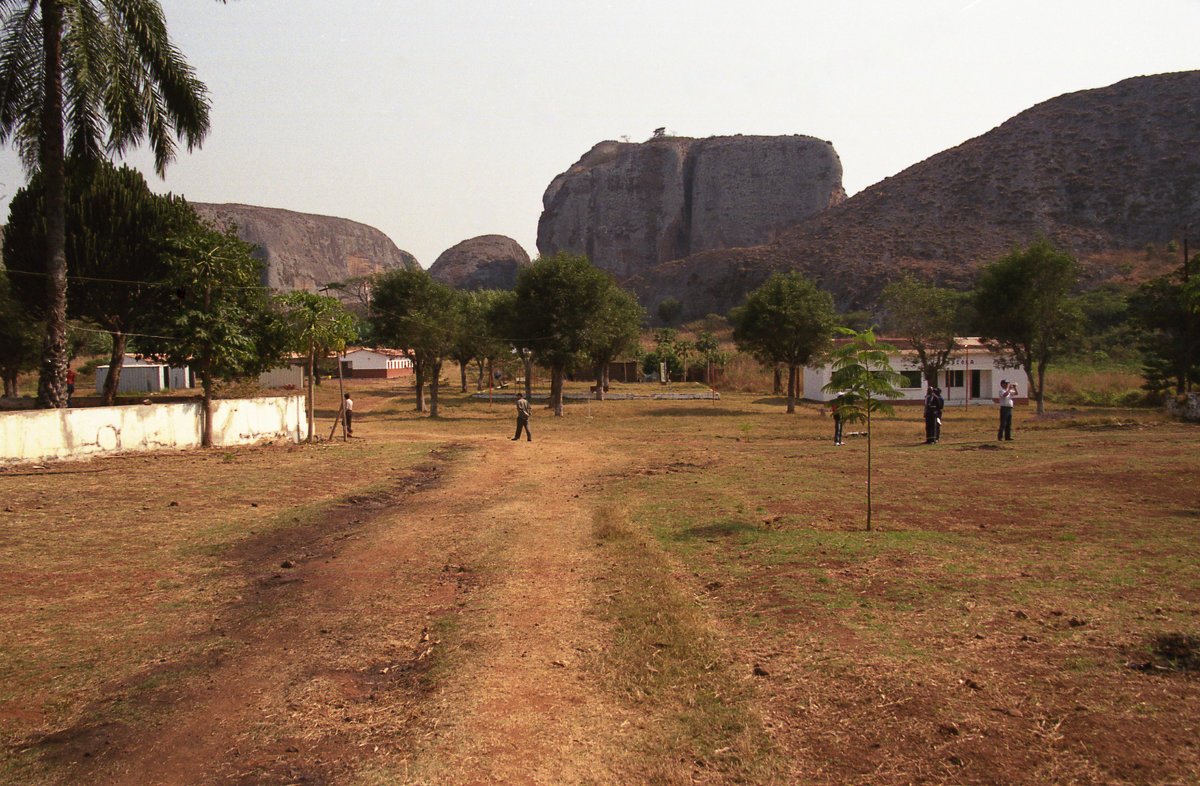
(759, 671)
(1021, 615)
(287, 563)
(1075, 622)
(949, 729)
(173, 504)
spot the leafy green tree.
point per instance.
(418, 316)
(86, 78)
(709, 350)
(1025, 309)
(18, 339)
(505, 327)
(215, 315)
(559, 304)
(317, 325)
(671, 350)
(616, 332)
(863, 380)
(787, 320)
(1168, 312)
(473, 340)
(669, 311)
(118, 243)
(930, 317)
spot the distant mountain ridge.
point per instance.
(1103, 173)
(306, 251)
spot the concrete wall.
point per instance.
(57, 434)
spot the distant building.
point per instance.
(971, 377)
(363, 363)
(145, 376)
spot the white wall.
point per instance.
(54, 434)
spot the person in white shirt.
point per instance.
(1007, 394)
(349, 409)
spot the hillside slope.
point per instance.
(1103, 173)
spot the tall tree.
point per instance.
(615, 332)
(559, 304)
(18, 339)
(929, 317)
(119, 240)
(504, 324)
(863, 378)
(317, 325)
(86, 78)
(787, 320)
(215, 315)
(1024, 308)
(418, 316)
(1168, 311)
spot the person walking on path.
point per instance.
(1007, 394)
(523, 413)
(348, 408)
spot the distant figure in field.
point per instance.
(523, 413)
(837, 423)
(70, 385)
(933, 414)
(349, 408)
(1007, 394)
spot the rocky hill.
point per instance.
(1104, 173)
(305, 251)
(628, 206)
(485, 262)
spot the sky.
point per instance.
(441, 120)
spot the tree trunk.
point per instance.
(419, 384)
(483, 364)
(116, 361)
(206, 381)
(312, 368)
(791, 394)
(778, 381)
(436, 368)
(52, 380)
(528, 359)
(868, 465)
(462, 371)
(10, 384)
(206, 436)
(1041, 389)
(599, 369)
(556, 389)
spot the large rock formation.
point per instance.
(1103, 173)
(305, 251)
(628, 206)
(484, 262)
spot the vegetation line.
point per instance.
(666, 659)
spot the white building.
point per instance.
(145, 376)
(971, 377)
(362, 363)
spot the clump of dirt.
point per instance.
(1171, 652)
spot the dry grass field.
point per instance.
(649, 592)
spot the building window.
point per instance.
(954, 379)
(910, 379)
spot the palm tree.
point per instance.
(88, 78)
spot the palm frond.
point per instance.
(21, 85)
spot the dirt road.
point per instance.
(436, 633)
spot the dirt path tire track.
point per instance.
(334, 681)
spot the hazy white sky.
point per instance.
(440, 120)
